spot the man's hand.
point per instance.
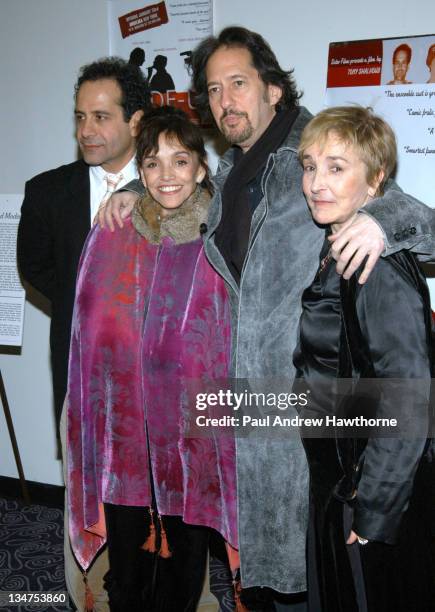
(117, 208)
(362, 238)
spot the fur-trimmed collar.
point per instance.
(182, 225)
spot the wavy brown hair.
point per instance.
(176, 124)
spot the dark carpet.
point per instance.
(31, 551)
(31, 556)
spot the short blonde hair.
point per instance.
(371, 136)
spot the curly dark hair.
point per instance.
(176, 124)
(130, 78)
(263, 59)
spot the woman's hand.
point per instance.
(117, 208)
(355, 538)
(353, 243)
(352, 538)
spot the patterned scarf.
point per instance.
(148, 319)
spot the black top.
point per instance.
(392, 314)
(317, 351)
(242, 192)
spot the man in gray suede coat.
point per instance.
(266, 264)
(261, 238)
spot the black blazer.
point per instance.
(386, 334)
(55, 220)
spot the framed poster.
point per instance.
(160, 38)
(396, 77)
(12, 294)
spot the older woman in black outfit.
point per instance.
(369, 540)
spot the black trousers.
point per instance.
(140, 581)
(376, 577)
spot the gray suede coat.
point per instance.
(282, 258)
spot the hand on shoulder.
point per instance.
(352, 244)
(118, 207)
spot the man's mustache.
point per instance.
(226, 113)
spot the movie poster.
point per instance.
(12, 294)
(160, 38)
(396, 77)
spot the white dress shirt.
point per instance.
(99, 184)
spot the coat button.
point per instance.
(412, 230)
(397, 236)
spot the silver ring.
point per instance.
(362, 541)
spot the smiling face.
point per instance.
(335, 181)
(104, 137)
(171, 174)
(242, 105)
(400, 65)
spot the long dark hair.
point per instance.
(174, 122)
(263, 59)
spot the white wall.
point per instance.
(42, 44)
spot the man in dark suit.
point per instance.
(59, 206)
